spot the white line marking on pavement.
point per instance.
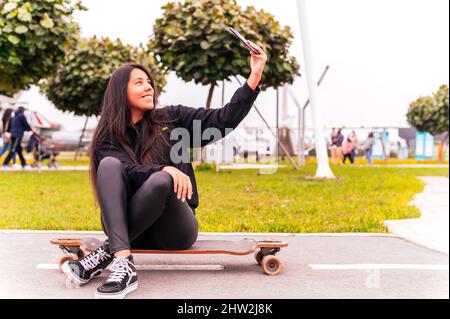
(154, 267)
(72, 232)
(180, 267)
(379, 266)
(47, 266)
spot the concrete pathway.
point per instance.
(315, 266)
(413, 165)
(431, 230)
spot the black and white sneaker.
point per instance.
(81, 271)
(122, 280)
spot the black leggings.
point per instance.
(153, 218)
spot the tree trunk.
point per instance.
(277, 124)
(210, 95)
(208, 106)
(81, 138)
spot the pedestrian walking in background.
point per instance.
(368, 147)
(19, 125)
(348, 151)
(6, 132)
(336, 146)
(354, 139)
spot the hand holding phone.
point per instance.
(243, 40)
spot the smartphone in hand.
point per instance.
(243, 40)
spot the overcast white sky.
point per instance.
(383, 55)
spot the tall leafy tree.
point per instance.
(192, 39)
(33, 38)
(282, 68)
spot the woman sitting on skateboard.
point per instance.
(147, 200)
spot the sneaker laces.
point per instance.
(93, 260)
(120, 268)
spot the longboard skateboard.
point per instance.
(264, 251)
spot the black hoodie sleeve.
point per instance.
(137, 173)
(228, 117)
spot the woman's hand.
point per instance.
(182, 183)
(257, 64)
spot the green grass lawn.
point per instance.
(69, 161)
(359, 200)
(61, 160)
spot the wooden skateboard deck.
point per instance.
(264, 250)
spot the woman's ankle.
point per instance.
(122, 253)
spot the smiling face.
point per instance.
(140, 94)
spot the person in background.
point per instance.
(336, 146)
(333, 147)
(368, 147)
(348, 151)
(19, 125)
(6, 132)
(354, 139)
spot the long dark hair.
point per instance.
(116, 117)
(6, 116)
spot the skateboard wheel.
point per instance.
(66, 257)
(259, 257)
(272, 265)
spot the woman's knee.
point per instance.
(109, 163)
(109, 170)
(160, 183)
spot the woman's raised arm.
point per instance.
(227, 118)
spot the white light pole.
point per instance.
(323, 169)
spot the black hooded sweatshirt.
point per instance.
(228, 117)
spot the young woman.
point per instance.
(147, 200)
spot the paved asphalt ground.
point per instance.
(315, 266)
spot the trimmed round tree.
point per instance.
(192, 40)
(282, 68)
(430, 114)
(81, 79)
(33, 38)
